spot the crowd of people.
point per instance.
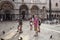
(35, 20)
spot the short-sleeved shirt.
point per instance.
(36, 22)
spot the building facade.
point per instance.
(13, 9)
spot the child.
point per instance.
(20, 26)
(39, 25)
(31, 23)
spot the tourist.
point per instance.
(31, 23)
(20, 25)
(39, 25)
(36, 23)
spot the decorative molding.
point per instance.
(31, 3)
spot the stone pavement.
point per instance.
(7, 26)
(46, 31)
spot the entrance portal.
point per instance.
(7, 9)
(24, 11)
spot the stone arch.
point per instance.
(34, 9)
(6, 5)
(23, 10)
(6, 8)
(44, 13)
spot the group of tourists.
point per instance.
(35, 23)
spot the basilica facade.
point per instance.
(13, 9)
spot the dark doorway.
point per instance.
(0, 16)
(23, 14)
(7, 15)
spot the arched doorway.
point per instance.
(6, 10)
(7, 15)
(35, 10)
(24, 11)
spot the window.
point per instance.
(43, 7)
(56, 4)
(13, 0)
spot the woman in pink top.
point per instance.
(36, 23)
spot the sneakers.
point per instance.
(35, 35)
(20, 32)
